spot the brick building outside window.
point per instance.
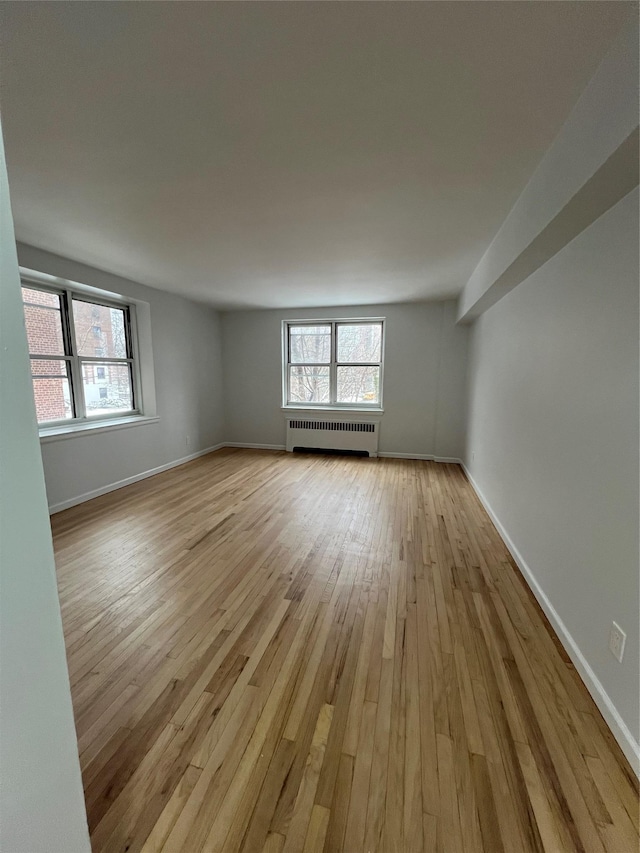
(81, 356)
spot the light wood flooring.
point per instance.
(278, 652)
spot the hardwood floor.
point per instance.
(276, 652)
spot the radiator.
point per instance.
(332, 435)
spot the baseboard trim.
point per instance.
(143, 475)
(429, 457)
(426, 456)
(251, 446)
(619, 728)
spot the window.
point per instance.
(65, 363)
(333, 363)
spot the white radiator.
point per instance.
(332, 435)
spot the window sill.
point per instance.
(58, 433)
(334, 410)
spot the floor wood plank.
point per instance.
(273, 651)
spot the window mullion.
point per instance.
(287, 382)
(104, 359)
(48, 357)
(309, 364)
(126, 318)
(138, 399)
(333, 377)
(288, 376)
(75, 365)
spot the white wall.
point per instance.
(424, 376)
(41, 801)
(553, 445)
(188, 378)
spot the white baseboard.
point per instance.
(426, 456)
(429, 457)
(619, 728)
(254, 446)
(112, 487)
(143, 475)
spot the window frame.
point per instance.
(74, 361)
(333, 364)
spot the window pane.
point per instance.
(100, 330)
(359, 342)
(358, 384)
(51, 390)
(40, 297)
(107, 388)
(310, 344)
(49, 367)
(308, 384)
(44, 322)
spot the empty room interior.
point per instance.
(319, 446)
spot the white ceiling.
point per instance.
(285, 154)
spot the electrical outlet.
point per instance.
(617, 639)
(187, 441)
(473, 456)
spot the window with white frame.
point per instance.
(333, 363)
(83, 365)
